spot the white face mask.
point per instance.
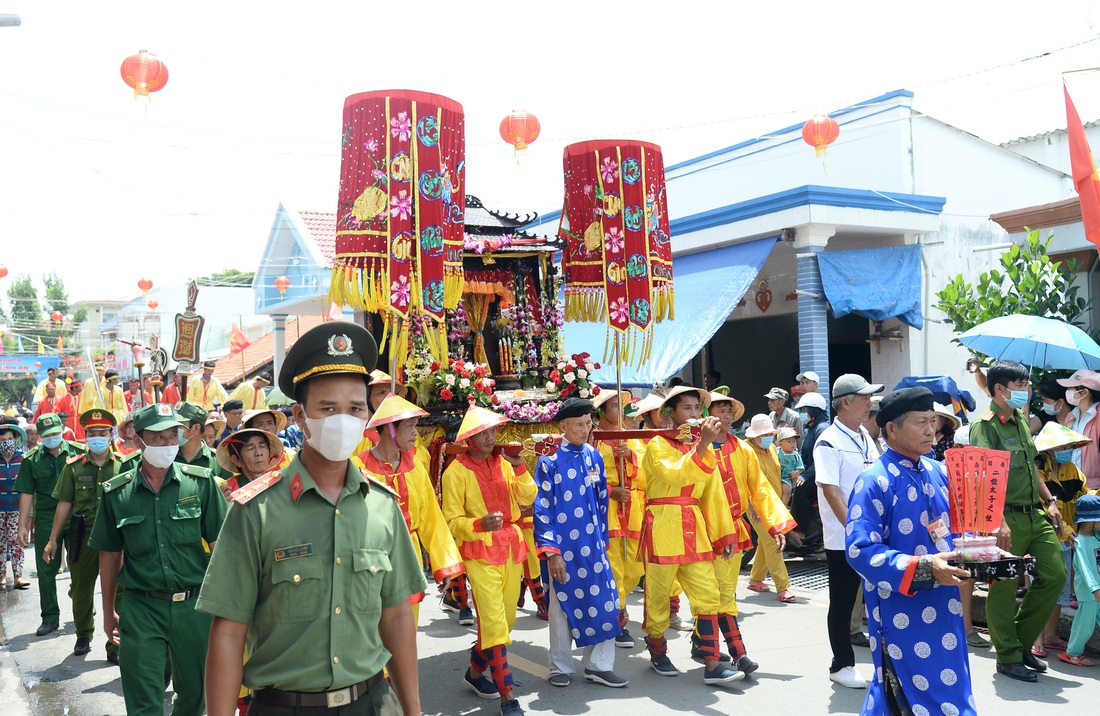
(160, 457)
(335, 436)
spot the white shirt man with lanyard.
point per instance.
(844, 450)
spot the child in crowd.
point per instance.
(1086, 563)
(1066, 483)
(790, 462)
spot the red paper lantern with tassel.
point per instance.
(819, 132)
(519, 129)
(145, 73)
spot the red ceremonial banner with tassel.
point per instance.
(617, 262)
(401, 212)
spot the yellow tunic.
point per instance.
(687, 518)
(475, 488)
(115, 402)
(749, 492)
(40, 390)
(251, 398)
(205, 394)
(634, 509)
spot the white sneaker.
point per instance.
(849, 677)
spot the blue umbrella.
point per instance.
(1034, 341)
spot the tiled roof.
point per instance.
(261, 351)
(322, 227)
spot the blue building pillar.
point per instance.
(813, 330)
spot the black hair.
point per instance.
(233, 404)
(675, 382)
(716, 375)
(1003, 372)
(1050, 388)
(8, 420)
(672, 402)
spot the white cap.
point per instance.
(808, 375)
(812, 400)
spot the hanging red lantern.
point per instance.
(152, 304)
(145, 73)
(519, 129)
(3, 271)
(282, 283)
(819, 132)
(145, 284)
(57, 316)
(38, 364)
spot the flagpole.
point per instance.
(244, 373)
(1083, 69)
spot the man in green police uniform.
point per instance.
(315, 565)
(1031, 520)
(194, 451)
(79, 490)
(157, 514)
(36, 480)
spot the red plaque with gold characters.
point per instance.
(188, 330)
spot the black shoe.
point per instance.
(1034, 663)
(47, 628)
(466, 616)
(697, 654)
(449, 604)
(859, 639)
(112, 657)
(747, 665)
(83, 645)
(624, 640)
(1016, 670)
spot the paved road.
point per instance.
(41, 676)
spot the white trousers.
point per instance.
(598, 657)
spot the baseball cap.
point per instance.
(852, 384)
(48, 424)
(777, 394)
(158, 416)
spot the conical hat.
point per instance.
(647, 404)
(1058, 437)
(476, 420)
(680, 389)
(378, 377)
(393, 409)
(276, 415)
(607, 394)
(738, 406)
(242, 436)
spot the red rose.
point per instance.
(446, 394)
(596, 365)
(595, 390)
(555, 375)
(471, 398)
(434, 366)
(480, 371)
(495, 400)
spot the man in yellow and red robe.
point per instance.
(687, 522)
(483, 495)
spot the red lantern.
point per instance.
(519, 129)
(57, 316)
(3, 271)
(282, 283)
(38, 364)
(152, 304)
(819, 132)
(145, 73)
(145, 284)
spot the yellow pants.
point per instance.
(495, 589)
(698, 582)
(768, 559)
(622, 553)
(532, 568)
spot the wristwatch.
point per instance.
(1050, 501)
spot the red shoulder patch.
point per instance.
(296, 487)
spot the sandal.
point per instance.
(1039, 652)
(758, 587)
(1051, 646)
(786, 596)
(1075, 660)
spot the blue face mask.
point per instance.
(1063, 456)
(1049, 409)
(180, 437)
(98, 445)
(1017, 399)
(766, 441)
(805, 417)
(52, 441)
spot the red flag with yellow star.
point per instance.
(1085, 179)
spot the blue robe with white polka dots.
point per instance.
(918, 641)
(571, 520)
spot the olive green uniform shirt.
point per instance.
(311, 578)
(39, 471)
(81, 483)
(205, 458)
(160, 534)
(1008, 430)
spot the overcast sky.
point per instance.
(104, 189)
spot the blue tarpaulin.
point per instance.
(708, 286)
(875, 283)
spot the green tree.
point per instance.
(1028, 282)
(229, 277)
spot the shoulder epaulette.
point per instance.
(117, 481)
(131, 456)
(987, 416)
(243, 494)
(375, 482)
(33, 450)
(74, 458)
(194, 470)
(79, 446)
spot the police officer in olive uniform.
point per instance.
(157, 514)
(36, 480)
(315, 564)
(78, 492)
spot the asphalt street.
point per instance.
(39, 675)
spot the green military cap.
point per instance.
(192, 412)
(328, 349)
(48, 424)
(158, 416)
